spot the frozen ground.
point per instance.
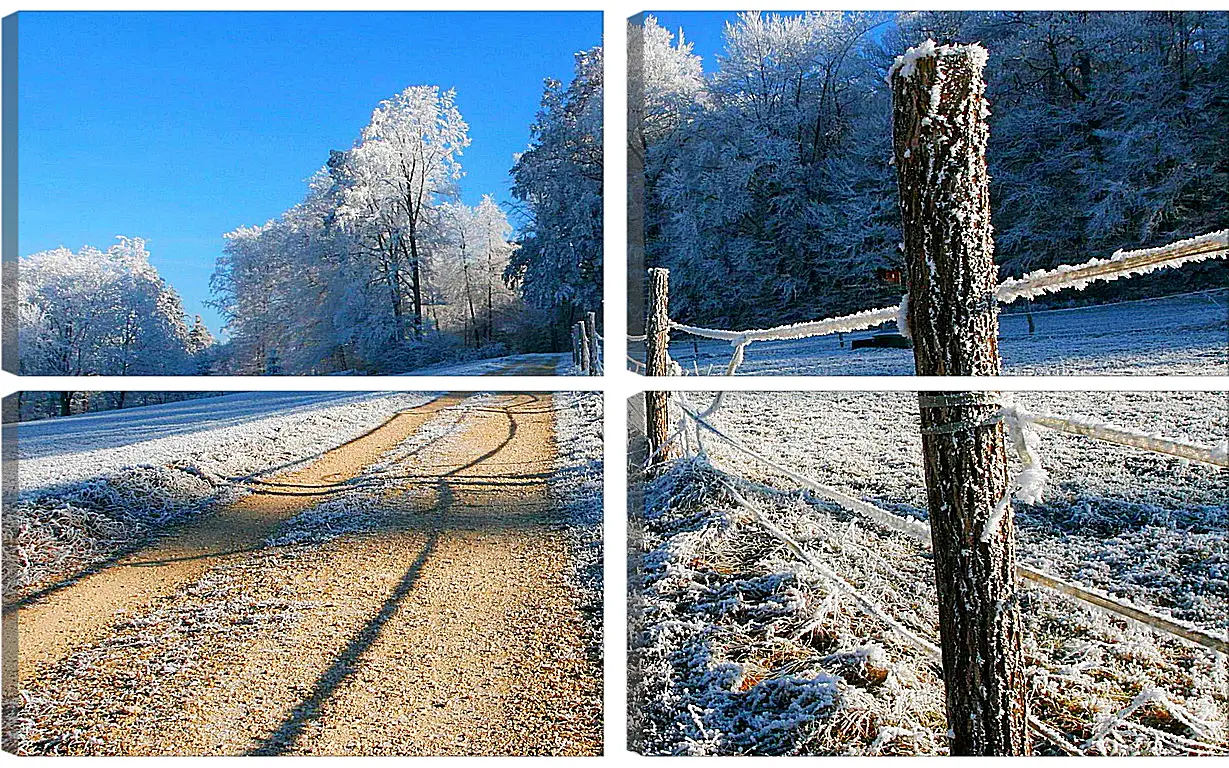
(739, 646)
(578, 483)
(537, 363)
(1182, 335)
(91, 484)
(405, 594)
(216, 434)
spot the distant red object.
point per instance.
(890, 276)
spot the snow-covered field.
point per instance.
(91, 484)
(577, 484)
(740, 646)
(499, 366)
(1181, 335)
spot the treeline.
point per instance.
(32, 406)
(92, 312)
(379, 269)
(768, 185)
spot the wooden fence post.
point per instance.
(575, 352)
(595, 353)
(657, 363)
(584, 347)
(939, 139)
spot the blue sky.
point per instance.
(178, 127)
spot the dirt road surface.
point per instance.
(446, 626)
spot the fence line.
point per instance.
(920, 531)
(1184, 449)
(832, 576)
(1122, 264)
(1214, 245)
(841, 585)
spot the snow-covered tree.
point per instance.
(404, 165)
(740, 197)
(98, 312)
(380, 268)
(558, 181)
(772, 198)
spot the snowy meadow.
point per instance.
(1185, 335)
(741, 645)
(94, 485)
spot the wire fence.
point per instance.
(920, 530)
(1122, 264)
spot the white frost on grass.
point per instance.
(229, 436)
(1176, 335)
(1142, 527)
(577, 487)
(79, 506)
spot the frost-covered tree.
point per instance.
(403, 167)
(476, 249)
(96, 312)
(558, 181)
(380, 268)
(741, 195)
(672, 77)
(1106, 127)
(772, 199)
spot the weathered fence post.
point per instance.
(939, 138)
(584, 347)
(595, 353)
(657, 363)
(575, 350)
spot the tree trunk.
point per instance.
(394, 296)
(473, 318)
(416, 285)
(657, 363)
(66, 403)
(940, 134)
(490, 297)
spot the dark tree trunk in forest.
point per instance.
(940, 134)
(66, 403)
(657, 363)
(416, 280)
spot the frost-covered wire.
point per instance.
(840, 584)
(1145, 441)
(920, 531)
(843, 324)
(1214, 245)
